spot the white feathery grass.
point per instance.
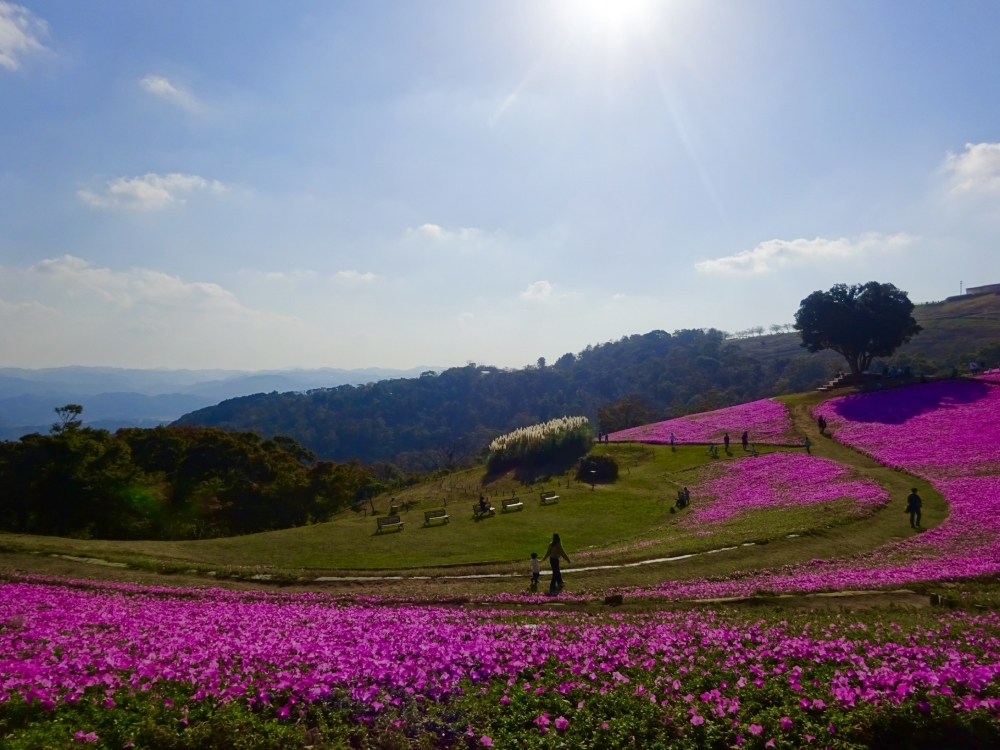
(524, 439)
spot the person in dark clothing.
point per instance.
(554, 552)
(725, 440)
(913, 504)
(745, 438)
(822, 424)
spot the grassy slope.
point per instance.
(633, 510)
(950, 329)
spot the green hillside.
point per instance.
(442, 419)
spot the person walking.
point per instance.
(536, 571)
(808, 444)
(913, 505)
(745, 438)
(672, 442)
(554, 552)
(725, 440)
(822, 424)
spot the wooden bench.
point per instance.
(512, 503)
(478, 512)
(388, 521)
(549, 497)
(436, 515)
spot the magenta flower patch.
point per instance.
(767, 421)
(779, 479)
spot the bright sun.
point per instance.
(613, 15)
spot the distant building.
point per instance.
(988, 289)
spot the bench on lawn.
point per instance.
(436, 515)
(478, 512)
(549, 497)
(512, 503)
(384, 523)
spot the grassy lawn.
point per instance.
(626, 521)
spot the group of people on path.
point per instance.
(714, 452)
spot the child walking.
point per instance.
(536, 571)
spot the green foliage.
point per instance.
(168, 483)
(630, 411)
(429, 423)
(558, 440)
(859, 322)
(597, 468)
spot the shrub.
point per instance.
(563, 439)
(597, 469)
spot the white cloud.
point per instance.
(355, 276)
(134, 288)
(436, 232)
(65, 310)
(977, 169)
(151, 192)
(162, 88)
(774, 254)
(19, 32)
(540, 291)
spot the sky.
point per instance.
(259, 185)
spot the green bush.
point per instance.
(597, 469)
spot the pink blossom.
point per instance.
(767, 421)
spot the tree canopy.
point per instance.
(859, 322)
(429, 422)
(170, 483)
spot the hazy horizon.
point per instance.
(270, 187)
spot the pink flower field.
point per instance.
(778, 480)
(947, 432)
(61, 643)
(767, 421)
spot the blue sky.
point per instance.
(263, 185)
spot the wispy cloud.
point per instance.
(150, 192)
(539, 291)
(66, 309)
(355, 276)
(19, 32)
(975, 170)
(437, 232)
(774, 254)
(164, 89)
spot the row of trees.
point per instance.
(170, 483)
(752, 331)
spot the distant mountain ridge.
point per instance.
(121, 397)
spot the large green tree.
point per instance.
(859, 322)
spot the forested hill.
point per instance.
(425, 422)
